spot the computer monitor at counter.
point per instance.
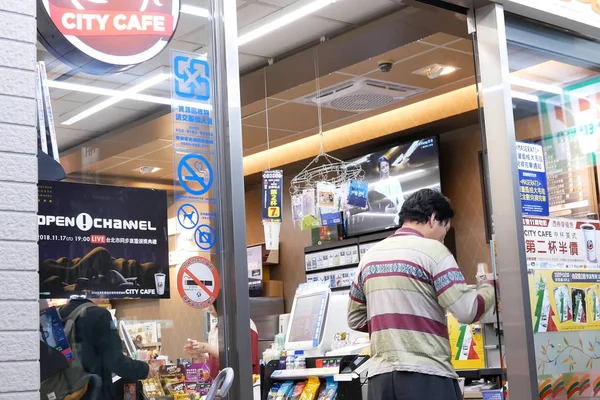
(317, 316)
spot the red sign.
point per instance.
(98, 239)
(116, 32)
(198, 282)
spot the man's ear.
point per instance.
(432, 220)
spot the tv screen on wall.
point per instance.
(393, 174)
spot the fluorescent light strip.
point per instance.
(117, 96)
(281, 18)
(535, 85)
(524, 96)
(193, 10)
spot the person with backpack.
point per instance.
(99, 347)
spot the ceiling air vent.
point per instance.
(362, 95)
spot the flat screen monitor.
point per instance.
(307, 320)
(392, 175)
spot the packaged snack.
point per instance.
(152, 388)
(204, 374)
(311, 389)
(329, 390)
(191, 387)
(285, 391)
(579, 306)
(198, 372)
(177, 387)
(564, 304)
(273, 391)
(203, 388)
(298, 389)
(172, 372)
(181, 396)
(191, 372)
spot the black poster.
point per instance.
(102, 241)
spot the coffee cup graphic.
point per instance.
(589, 237)
(159, 280)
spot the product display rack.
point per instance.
(335, 262)
(347, 389)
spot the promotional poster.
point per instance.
(393, 175)
(556, 243)
(255, 272)
(466, 344)
(102, 241)
(533, 186)
(272, 195)
(565, 300)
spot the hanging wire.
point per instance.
(267, 119)
(324, 167)
(319, 111)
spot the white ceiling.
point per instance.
(193, 35)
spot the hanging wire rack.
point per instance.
(324, 167)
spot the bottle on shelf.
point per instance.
(300, 360)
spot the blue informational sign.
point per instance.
(195, 148)
(272, 195)
(195, 174)
(191, 91)
(196, 202)
(187, 216)
(205, 237)
(532, 180)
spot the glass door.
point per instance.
(541, 93)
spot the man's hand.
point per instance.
(152, 371)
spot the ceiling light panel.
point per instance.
(280, 18)
(434, 71)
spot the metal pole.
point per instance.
(234, 312)
(506, 202)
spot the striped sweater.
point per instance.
(400, 295)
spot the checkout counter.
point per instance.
(318, 316)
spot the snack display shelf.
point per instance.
(292, 374)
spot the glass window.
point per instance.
(555, 86)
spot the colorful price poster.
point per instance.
(466, 345)
(532, 179)
(565, 300)
(272, 195)
(556, 243)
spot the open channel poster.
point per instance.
(102, 241)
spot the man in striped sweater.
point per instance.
(404, 286)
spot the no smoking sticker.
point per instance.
(198, 282)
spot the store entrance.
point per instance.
(134, 175)
(135, 191)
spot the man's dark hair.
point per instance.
(421, 205)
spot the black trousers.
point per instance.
(412, 386)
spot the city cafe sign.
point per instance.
(106, 36)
